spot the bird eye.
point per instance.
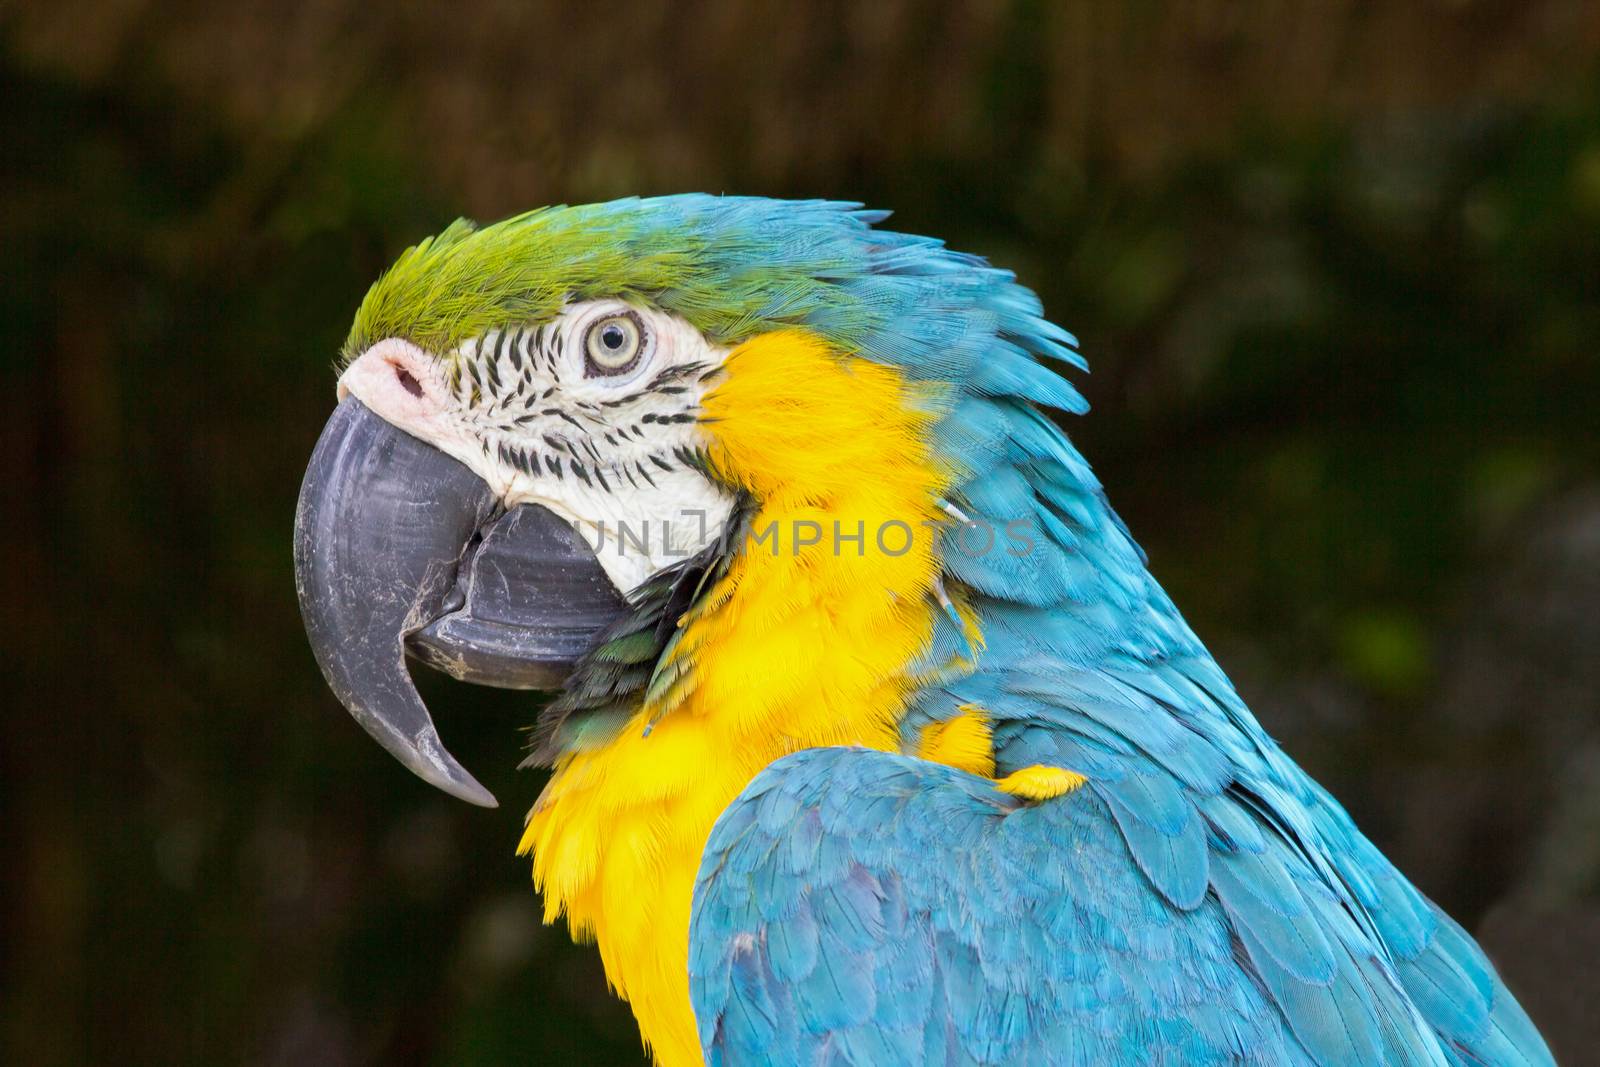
(613, 344)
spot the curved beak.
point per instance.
(400, 548)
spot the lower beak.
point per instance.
(400, 548)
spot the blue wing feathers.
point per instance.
(1173, 860)
(999, 945)
(1199, 901)
(1260, 897)
(1041, 936)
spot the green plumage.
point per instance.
(708, 259)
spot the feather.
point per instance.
(1201, 900)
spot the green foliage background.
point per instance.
(1337, 268)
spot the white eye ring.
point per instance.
(612, 344)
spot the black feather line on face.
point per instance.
(493, 365)
(516, 350)
(672, 374)
(549, 340)
(695, 460)
(608, 684)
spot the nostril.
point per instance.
(407, 381)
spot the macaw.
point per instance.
(873, 741)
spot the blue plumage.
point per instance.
(1199, 901)
(1038, 942)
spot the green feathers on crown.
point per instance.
(733, 267)
(715, 261)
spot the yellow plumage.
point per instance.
(963, 741)
(798, 647)
(1040, 782)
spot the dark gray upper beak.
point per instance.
(399, 547)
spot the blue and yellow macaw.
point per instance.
(875, 740)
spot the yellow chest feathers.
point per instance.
(805, 642)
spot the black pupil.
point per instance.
(613, 337)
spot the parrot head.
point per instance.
(554, 433)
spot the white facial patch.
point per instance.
(556, 415)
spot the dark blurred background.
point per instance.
(1336, 266)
